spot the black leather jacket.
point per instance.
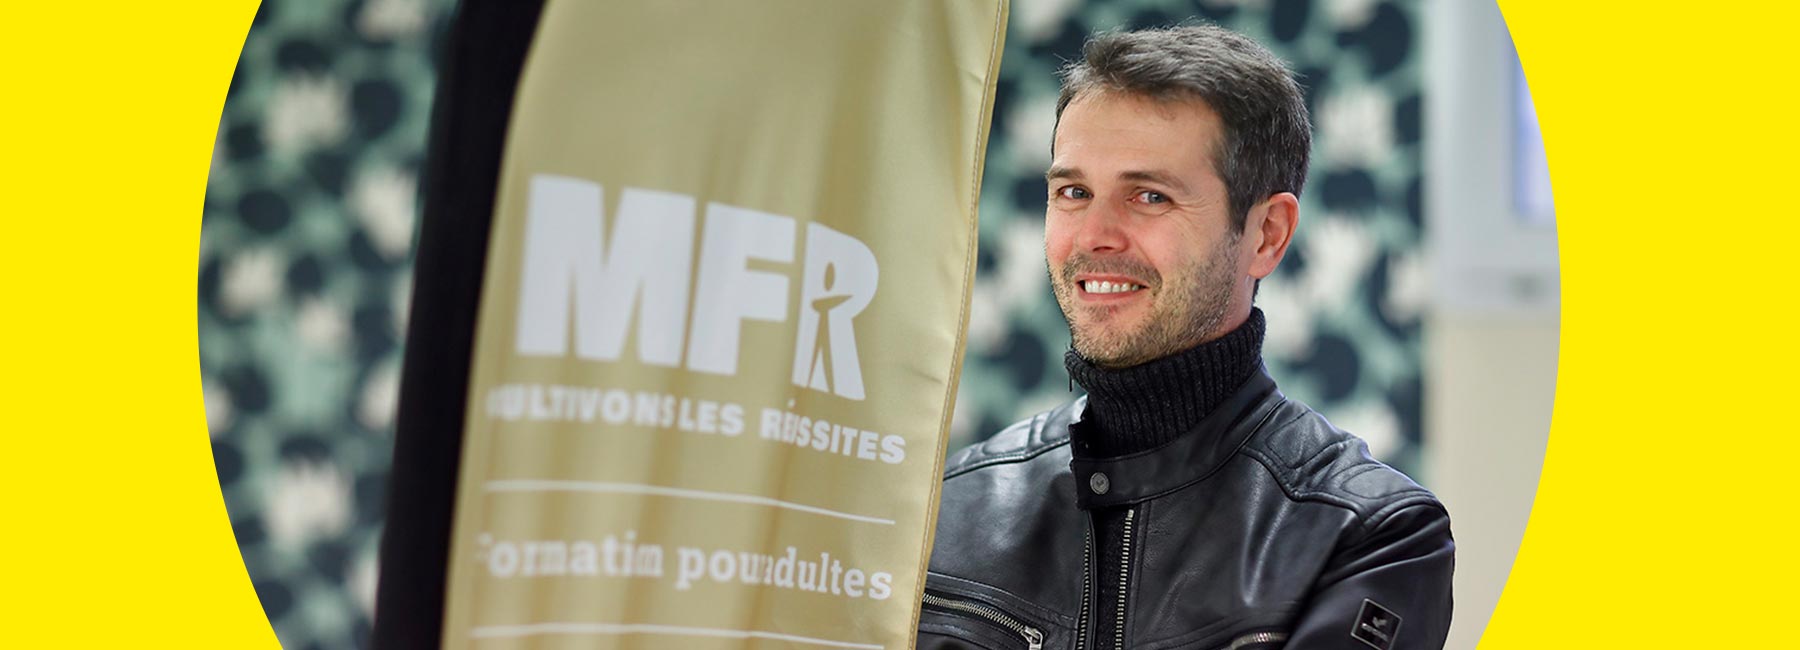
(1265, 527)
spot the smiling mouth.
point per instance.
(1106, 287)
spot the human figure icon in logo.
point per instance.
(821, 356)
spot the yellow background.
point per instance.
(1665, 514)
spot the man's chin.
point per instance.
(1109, 352)
(1114, 361)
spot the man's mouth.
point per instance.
(1108, 287)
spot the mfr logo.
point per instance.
(575, 267)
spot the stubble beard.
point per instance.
(1182, 314)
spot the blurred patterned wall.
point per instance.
(311, 211)
(305, 256)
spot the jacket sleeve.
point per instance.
(1389, 590)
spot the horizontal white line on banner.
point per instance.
(535, 629)
(540, 485)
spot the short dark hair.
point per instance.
(1268, 136)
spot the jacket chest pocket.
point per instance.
(949, 622)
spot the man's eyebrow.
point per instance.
(1157, 177)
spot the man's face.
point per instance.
(1138, 233)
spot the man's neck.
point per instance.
(1145, 406)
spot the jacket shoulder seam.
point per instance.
(1034, 447)
(1293, 492)
(1402, 501)
(1376, 509)
(1001, 459)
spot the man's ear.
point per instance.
(1273, 222)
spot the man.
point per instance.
(1184, 502)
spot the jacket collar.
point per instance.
(1187, 459)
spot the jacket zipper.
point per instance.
(1255, 638)
(1087, 553)
(1034, 639)
(1124, 582)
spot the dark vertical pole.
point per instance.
(478, 72)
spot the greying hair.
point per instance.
(1268, 135)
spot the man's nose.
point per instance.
(1102, 228)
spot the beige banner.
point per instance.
(722, 322)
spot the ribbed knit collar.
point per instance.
(1145, 406)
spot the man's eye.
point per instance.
(1073, 192)
(1150, 197)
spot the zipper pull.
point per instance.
(1034, 638)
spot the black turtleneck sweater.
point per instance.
(1143, 407)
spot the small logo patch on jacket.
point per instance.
(1376, 625)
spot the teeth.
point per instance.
(1108, 287)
